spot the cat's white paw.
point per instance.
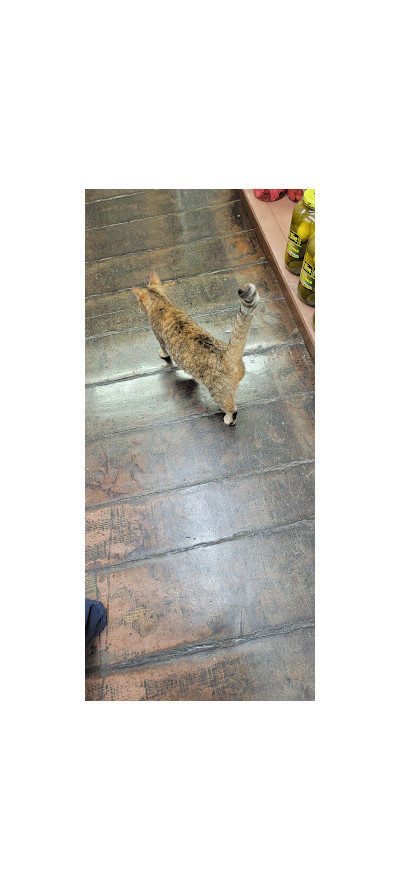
(163, 353)
(230, 419)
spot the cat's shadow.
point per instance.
(186, 386)
(184, 383)
(181, 379)
(181, 386)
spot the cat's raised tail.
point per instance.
(249, 299)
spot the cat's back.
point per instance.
(189, 345)
(179, 328)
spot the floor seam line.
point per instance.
(127, 290)
(148, 326)
(169, 369)
(125, 222)
(129, 563)
(121, 290)
(192, 417)
(179, 244)
(115, 197)
(201, 648)
(148, 494)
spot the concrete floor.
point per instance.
(199, 536)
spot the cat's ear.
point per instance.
(141, 298)
(154, 279)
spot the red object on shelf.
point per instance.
(295, 194)
(269, 194)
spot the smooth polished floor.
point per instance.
(199, 536)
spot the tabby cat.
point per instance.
(219, 366)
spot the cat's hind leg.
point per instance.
(225, 397)
(230, 418)
(230, 412)
(162, 350)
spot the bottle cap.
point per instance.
(309, 198)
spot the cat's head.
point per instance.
(143, 294)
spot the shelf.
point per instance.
(272, 222)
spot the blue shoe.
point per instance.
(95, 619)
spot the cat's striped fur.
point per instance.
(218, 365)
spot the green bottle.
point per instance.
(301, 227)
(306, 285)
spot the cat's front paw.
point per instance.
(163, 353)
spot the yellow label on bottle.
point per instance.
(307, 275)
(293, 245)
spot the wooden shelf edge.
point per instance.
(264, 224)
